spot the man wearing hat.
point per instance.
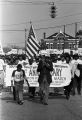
(45, 66)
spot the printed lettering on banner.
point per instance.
(1, 77)
(32, 75)
(8, 74)
(61, 75)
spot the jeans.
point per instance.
(19, 92)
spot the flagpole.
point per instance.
(25, 42)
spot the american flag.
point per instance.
(32, 45)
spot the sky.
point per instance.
(15, 17)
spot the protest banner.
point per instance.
(61, 75)
(8, 74)
(32, 75)
(1, 77)
(30, 71)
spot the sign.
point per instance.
(8, 74)
(80, 51)
(1, 77)
(30, 71)
(32, 75)
(61, 75)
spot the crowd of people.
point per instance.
(45, 67)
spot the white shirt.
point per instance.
(18, 76)
(1, 64)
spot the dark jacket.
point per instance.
(80, 68)
(45, 70)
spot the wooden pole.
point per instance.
(25, 41)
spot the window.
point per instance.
(58, 46)
(71, 46)
(47, 45)
(62, 45)
(51, 45)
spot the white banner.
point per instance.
(8, 74)
(61, 75)
(1, 77)
(32, 75)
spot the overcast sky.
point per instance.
(17, 16)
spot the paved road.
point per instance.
(58, 108)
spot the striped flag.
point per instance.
(32, 45)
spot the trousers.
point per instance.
(44, 90)
(19, 92)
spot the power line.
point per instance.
(39, 2)
(16, 43)
(58, 26)
(69, 3)
(27, 2)
(12, 30)
(40, 28)
(42, 20)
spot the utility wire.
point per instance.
(43, 20)
(41, 28)
(39, 2)
(27, 2)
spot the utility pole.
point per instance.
(64, 39)
(25, 40)
(75, 36)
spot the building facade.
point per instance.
(62, 41)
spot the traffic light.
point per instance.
(53, 11)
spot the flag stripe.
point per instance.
(33, 45)
(27, 52)
(30, 48)
(35, 42)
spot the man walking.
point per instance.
(18, 77)
(45, 67)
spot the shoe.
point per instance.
(79, 93)
(41, 98)
(18, 102)
(67, 96)
(73, 93)
(45, 103)
(64, 92)
(21, 102)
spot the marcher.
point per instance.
(18, 78)
(78, 76)
(45, 67)
(2, 73)
(67, 89)
(80, 82)
(32, 89)
(75, 77)
(78, 79)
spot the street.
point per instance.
(58, 108)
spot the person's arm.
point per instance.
(12, 78)
(49, 66)
(40, 66)
(25, 78)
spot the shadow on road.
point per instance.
(36, 99)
